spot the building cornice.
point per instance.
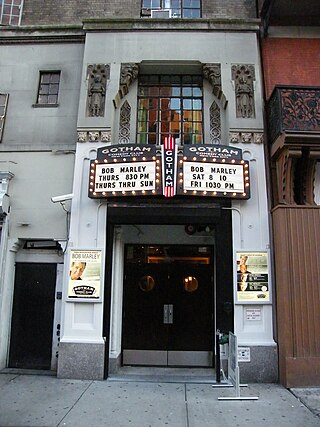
(42, 34)
(172, 24)
(76, 33)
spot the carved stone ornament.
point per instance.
(234, 137)
(212, 73)
(105, 136)
(94, 135)
(98, 74)
(128, 74)
(245, 137)
(124, 125)
(244, 76)
(215, 124)
(82, 136)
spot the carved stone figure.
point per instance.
(243, 76)
(96, 95)
(244, 98)
(97, 79)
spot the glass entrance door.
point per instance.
(168, 306)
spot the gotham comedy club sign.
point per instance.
(142, 170)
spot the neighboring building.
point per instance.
(121, 270)
(291, 63)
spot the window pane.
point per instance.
(44, 89)
(16, 10)
(154, 91)
(187, 104)
(187, 3)
(152, 138)
(53, 89)
(195, 13)
(2, 99)
(165, 91)
(52, 99)
(55, 78)
(175, 104)
(197, 116)
(186, 91)
(14, 20)
(146, 4)
(43, 99)
(197, 104)
(197, 91)
(45, 78)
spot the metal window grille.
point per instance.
(170, 105)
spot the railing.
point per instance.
(293, 109)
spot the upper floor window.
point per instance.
(178, 8)
(3, 109)
(48, 88)
(10, 12)
(170, 105)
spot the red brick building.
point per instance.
(291, 62)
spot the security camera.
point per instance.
(62, 198)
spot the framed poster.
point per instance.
(84, 275)
(252, 277)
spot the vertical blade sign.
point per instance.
(169, 166)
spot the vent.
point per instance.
(161, 14)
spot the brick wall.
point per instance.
(229, 9)
(40, 12)
(290, 61)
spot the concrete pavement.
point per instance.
(34, 400)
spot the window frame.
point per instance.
(3, 106)
(13, 5)
(147, 6)
(40, 91)
(186, 120)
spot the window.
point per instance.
(48, 88)
(170, 105)
(3, 109)
(179, 8)
(10, 12)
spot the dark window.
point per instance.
(10, 12)
(3, 109)
(48, 87)
(170, 105)
(178, 8)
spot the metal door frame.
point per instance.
(172, 358)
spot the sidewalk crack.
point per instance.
(84, 391)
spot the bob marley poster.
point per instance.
(252, 277)
(84, 280)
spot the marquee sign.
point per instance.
(169, 170)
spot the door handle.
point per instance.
(168, 314)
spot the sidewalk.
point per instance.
(32, 400)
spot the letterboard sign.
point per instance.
(122, 170)
(169, 170)
(214, 170)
